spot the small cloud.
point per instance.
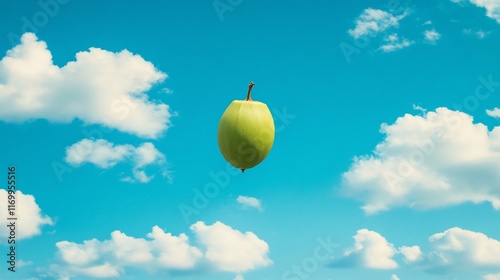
(22, 263)
(169, 175)
(394, 43)
(239, 277)
(419, 108)
(480, 34)
(370, 250)
(431, 36)
(411, 254)
(105, 155)
(428, 22)
(394, 277)
(495, 113)
(373, 21)
(167, 91)
(248, 201)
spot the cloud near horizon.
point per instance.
(220, 247)
(453, 250)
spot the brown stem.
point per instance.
(250, 86)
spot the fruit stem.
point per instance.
(250, 86)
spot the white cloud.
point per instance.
(223, 249)
(108, 258)
(441, 158)
(411, 254)
(394, 277)
(99, 152)
(248, 201)
(480, 34)
(373, 21)
(431, 36)
(167, 91)
(29, 216)
(428, 22)
(491, 277)
(458, 249)
(492, 8)
(105, 270)
(99, 87)
(239, 277)
(231, 250)
(419, 108)
(370, 250)
(105, 154)
(147, 154)
(494, 113)
(173, 252)
(21, 263)
(394, 43)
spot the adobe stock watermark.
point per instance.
(348, 49)
(428, 147)
(309, 265)
(221, 179)
(47, 9)
(223, 6)
(122, 107)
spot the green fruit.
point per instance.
(246, 132)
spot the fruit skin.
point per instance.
(246, 133)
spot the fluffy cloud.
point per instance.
(99, 87)
(231, 250)
(370, 250)
(458, 249)
(248, 201)
(411, 254)
(373, 21)
(492, 7)
(441, 158)
(431, 36)
(494, 113)
(394, 43)
(454, 250)
(394, 277)
(105, 154)
(225, 249)
(108, 258)
(29, 216)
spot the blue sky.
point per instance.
(385, 162)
